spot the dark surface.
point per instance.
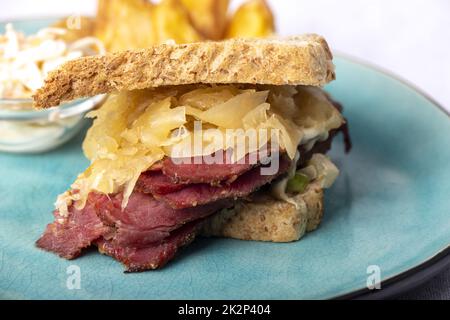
(437, 288)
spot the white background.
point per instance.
(409, 37)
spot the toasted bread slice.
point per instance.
(300, 60)
(268, 219)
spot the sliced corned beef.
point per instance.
(152, 256)
(157, 182)
(146, 220)
(147, 233)
(200, 194)
(68, 236)
(200, 170)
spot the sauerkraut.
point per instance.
(134, 130)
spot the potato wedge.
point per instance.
(125, 24)
(209, 17)
(77, 27)
(253, 19)
(171, 22)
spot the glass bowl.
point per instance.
(24, 130)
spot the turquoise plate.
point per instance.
(388, 213)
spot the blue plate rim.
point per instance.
(393, 75)
(404, 281)
(421, 273)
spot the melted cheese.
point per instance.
(319, 168)
(322, 169)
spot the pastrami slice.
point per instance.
(68, 236)
(152, 256)
(200, 194)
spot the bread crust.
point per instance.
(268, 219)
(299, 60)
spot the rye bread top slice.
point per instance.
(298, 60)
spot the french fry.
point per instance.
(253, 19)
(125, 24)
(209, 17)
(171, 22)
